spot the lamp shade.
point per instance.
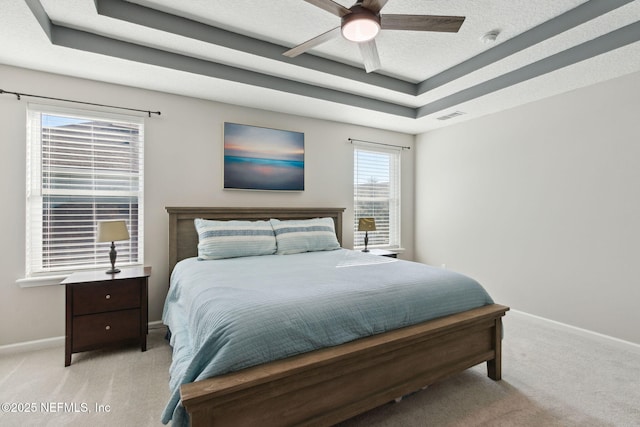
(112, 231)
(367, 224)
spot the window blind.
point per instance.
(82, 168)
(377, 194)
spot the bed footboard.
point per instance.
(333, 384)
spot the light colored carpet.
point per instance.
(552, 376)
(133, 383)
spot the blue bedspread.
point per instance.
(230, 314)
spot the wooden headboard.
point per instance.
(183, 238)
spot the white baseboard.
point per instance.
(49, 342)
(584, 332)
(32, 345)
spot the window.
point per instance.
(82, 167)
(376, 192)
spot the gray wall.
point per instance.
(541, 203)
(183, 166)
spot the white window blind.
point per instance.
(377, 194)
(82, 167)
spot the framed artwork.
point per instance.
(257, 158)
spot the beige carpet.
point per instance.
(552, 376)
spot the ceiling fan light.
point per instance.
(360, 27)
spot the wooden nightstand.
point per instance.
(105, 309)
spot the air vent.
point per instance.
(452, 115)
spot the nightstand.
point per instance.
(106, 310)
(384, 252)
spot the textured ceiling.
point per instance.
(231, 51)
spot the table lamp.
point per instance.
(112, 231)
(366, 225)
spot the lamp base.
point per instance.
(112, 258)
(366, 241)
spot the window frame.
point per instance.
(393, 154)
(130, 252)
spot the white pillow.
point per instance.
(230, 239)
(307, 235)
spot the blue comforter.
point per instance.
(226, 315)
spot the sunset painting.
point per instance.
(257, 158)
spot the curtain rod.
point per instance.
(380, 143)
(20, 95)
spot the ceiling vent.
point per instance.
(452, 115)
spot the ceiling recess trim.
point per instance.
(89, 42)
(85, 40)
(173, 24)
(605, 43)
(560, 24)
(162, 21)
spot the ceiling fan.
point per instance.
(362, 22)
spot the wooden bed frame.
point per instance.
(326, 386)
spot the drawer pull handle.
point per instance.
(108, 327)
(108, 296)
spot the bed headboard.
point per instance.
(183, 238)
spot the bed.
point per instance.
(319, 386)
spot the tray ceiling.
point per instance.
(231, 51)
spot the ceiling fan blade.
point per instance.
(445, 24)
(330, 6)
(374, 5)
(301, 48)
(370, 56)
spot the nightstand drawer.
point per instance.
(109, 296)
(95, 330)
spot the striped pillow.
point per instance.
(308, 235)
(230, 239)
